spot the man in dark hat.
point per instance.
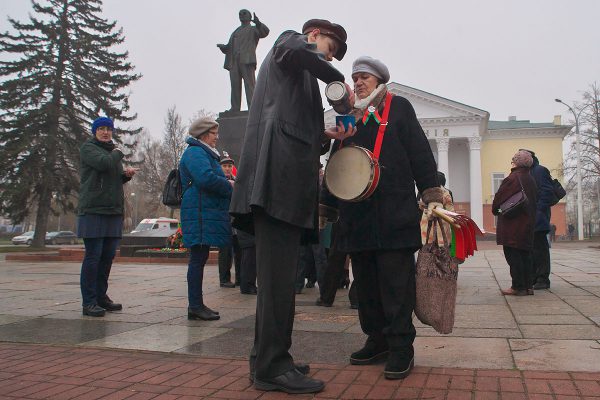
(230, 254)
(545, 200)
(276, 191)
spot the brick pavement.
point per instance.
(30, 371)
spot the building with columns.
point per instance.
(474, 153)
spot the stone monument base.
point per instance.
(232, 129)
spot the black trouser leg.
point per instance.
(519, 262)
(332, 276)
(541, 257)
(386, 294)
(248, 269)
(237, 259)
(277, 248)
(225, 264)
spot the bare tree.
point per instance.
(588, 111)
(174, 136)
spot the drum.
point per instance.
(352, 173)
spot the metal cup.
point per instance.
(338, 97)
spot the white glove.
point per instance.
(430, 206)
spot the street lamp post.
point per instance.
(578, 171)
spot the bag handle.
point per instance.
(435, 223)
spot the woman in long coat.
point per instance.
(515, 232)
(382, 232)
(204, 208)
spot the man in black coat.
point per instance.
(276, 192)
(545, 200)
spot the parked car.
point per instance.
(149, 224)
(24, 238)
(61, 237)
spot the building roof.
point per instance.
(521, 124)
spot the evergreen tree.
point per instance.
(58, 73)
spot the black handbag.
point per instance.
(511, 206)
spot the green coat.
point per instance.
(102, 179)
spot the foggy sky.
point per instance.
(508, 57)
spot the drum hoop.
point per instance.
(371, 186)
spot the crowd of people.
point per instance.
(275, 218)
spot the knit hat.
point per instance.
(522, 159)
(102, 121)
(202, 125)
(371, 66)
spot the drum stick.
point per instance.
(445, 217)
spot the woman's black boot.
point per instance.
(202, 314)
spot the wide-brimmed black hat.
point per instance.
(330, 29)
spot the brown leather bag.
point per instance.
(436, 276)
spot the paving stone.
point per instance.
(557, 355)
(44, 330)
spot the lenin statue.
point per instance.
(240, 57)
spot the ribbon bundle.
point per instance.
(464, 230)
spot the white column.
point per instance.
(475, 180)
(442, 150)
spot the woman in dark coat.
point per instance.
(515, 232)
(204, 208)
(382, 232)
(100, 214)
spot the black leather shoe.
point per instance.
(94, 311)
(304, 369)
(293, 382)
(252, 290)
(227, 284)
(210, 310)
(109, 305)
(372, 352)
(202, 314)
(399, 363)
(541, 286)
(321, 303)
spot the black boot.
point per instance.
(94, 311)
(109, 305)
(374, 350)
(202, 313)
(400, 362)
(209, 309)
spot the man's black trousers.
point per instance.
(277, 251)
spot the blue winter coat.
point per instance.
(545, 196)
(205, 203)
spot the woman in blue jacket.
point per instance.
(204, 208)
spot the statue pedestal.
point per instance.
(232, 129)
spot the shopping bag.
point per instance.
(436, 281)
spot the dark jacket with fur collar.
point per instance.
(389, 219)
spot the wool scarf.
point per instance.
(376, 99)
